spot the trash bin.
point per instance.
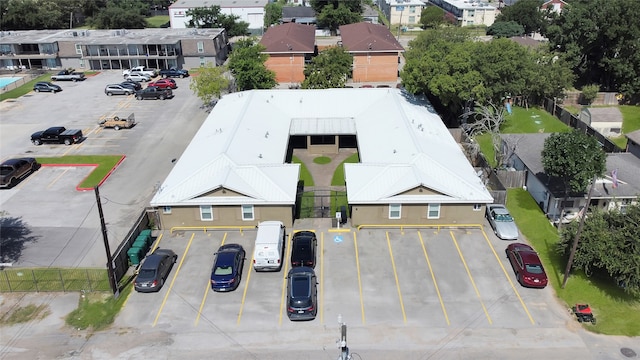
(134, 255)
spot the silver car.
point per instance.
(501, 222)
(137, 77)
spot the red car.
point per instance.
(527, 266)
(164, 84)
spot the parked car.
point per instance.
(141, 70)
(137, 77)
(227, 267)
(68, 75)
(153, 92)
(13, 170)
(118, 89)
(303, 249)
(173, 72)
(526, 265)
(57, 135)
(154, 270)
(302, 294)
(131, 85)
(164, 84)
(46, 87)
(501, 222)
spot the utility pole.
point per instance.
(576, 239)
(112, 278)
(342, 343)
(401, 8)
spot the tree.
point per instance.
(210, 82)
(330, 69)
(505, 29)
(610, 243)
(32, 14)
(213, 18)
(574, 159)
(246, 63)
(273, 13)
(122, 14)
(333, 13)
(600, 41)
(589, 93)
(487, 119)
(431, 16)
(526, 13)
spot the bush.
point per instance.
(589, 93)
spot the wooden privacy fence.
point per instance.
(53, 280)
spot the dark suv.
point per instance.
(46, 87)
(303, 250)
(302, 294)
(153, 92)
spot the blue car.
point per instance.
(227, 267)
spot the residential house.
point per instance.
(298, 15)
(376, 52)
(554, 5)
(609, 192)
(238, 168)
(249, 11)
(402, 12)
(468, 12)
(633, 143)
(113, 49)
(289, 46)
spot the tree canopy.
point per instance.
(273, 13)
(526, 13)
(330, 69)
(212, 17)
(333, 13)
(505, 29)
(246, 63)
(123, 14)
(609, 243)
(574, 158)
(600, 39)
(431, 16)
(209, 83)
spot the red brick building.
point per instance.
(288, 46)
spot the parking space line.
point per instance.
(175, 275)
(285, 269)
(206, 291)
(244, 293)
(355, 244)
(484, 308)
(321, 278)
(55, 180)
(395, 274)
(506, 274)
(433, 277)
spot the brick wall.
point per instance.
(288, 68)
(375, 67)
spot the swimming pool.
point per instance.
(4, 81)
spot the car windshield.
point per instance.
(503, 217)
(534, 268)
(146, 273)
(222, 270)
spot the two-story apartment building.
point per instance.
(468, 12)
(249, 11)
(112, 49)
(402, 12)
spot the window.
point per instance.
(433, 211)
(78, 49)
(477, 207)
(395, 211)
(166, 209)
(412, 9)
(412, 19)
(323, 140)
(247, 212)
(206, 213)
(200, 47)
(202, 62)
(471, 13)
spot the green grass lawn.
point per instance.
(305, 175)
(617, 313)
(24, 89)
(157, 21)
(96, 311)
(105, 164)
(630, 123)
(338, 175)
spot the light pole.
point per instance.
(401, 8)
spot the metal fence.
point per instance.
(53, 280)
(317, 202)
(24, 78)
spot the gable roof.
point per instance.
(289, 38)
(242, 146)
(368, 37)
(602, 114)
(634, 136)
(293, 12)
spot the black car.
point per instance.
(12, 170)
(303, 249)
(131, 85)
(173, 72)
(302, 294)
(153, 92)
(227, 267)
(154, 270)
(46, 87)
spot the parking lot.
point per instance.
(72, 237)
(423, 278)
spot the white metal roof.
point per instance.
(242, 146)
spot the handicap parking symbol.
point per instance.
(337, 239)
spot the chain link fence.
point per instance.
(53, 280)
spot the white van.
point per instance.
(269, 246)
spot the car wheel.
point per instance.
(164, 76)
(181, 76)
(109, 93)
(67, 141)
(74, 80)
(139, 97)
(37, 90)
(161, 97)
(161, 283)
(37, 142)
(13, 182)
(116, 127)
